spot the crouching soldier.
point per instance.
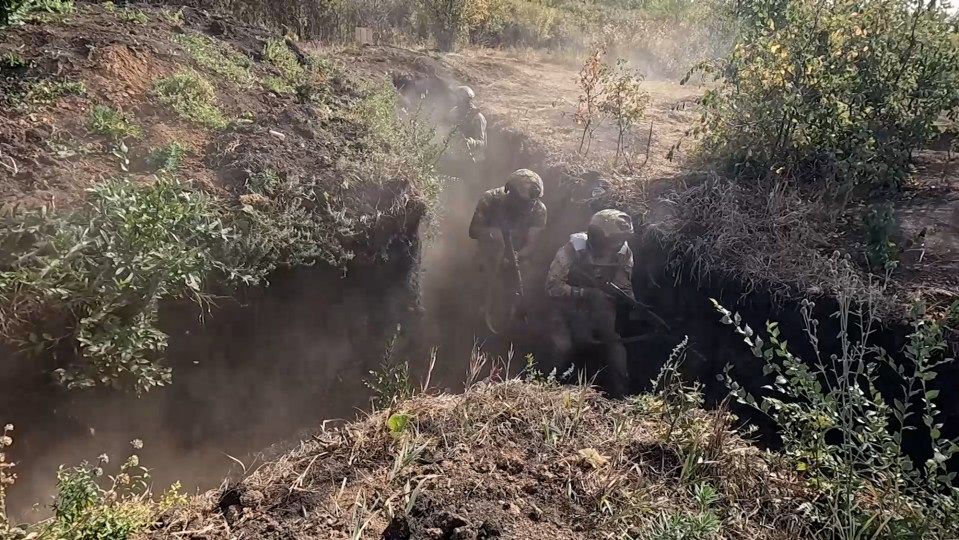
(582, 283)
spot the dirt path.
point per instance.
(540, 99)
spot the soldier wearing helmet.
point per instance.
(583, 312)
(469, 121)
(516, 208)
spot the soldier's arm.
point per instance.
(624, 275)
(480, 225)
(537, 226)
(557, 279)
(481, 129)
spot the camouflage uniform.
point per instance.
(516, 208)
(583, 314)
(470, 122)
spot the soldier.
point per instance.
(516, 209)
(579, 280)
(470, 122)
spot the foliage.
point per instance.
(410, 148)
(701, 524)
(841, 92)
(112, 123)
(18, 11)
(283, 59)
(625, 101)
(96, 276)
(218, 57)
(7, 478)
(192, 97)
(285, 222)
(48, 92)
(677, 398)
(83, 509)
(592, 83)
(392, 382)
(847, 437)
(881, 250)
(171, 16)
(132, 15)
(167, 158)
(447, 20)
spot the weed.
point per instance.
(192, 97)
(881, 252)
(171, 16)
(7, 478)
(392, 382)
(167, 158)
(46, 11)
(625, 101)
(283, 59)
(278, 85)
(112, 123)
(219, 58)
(48, 92)
(12, 61)
(132, 15)
(592, 83)
(846, 438)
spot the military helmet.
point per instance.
(526, 184)
(611, 224)
(465, 92)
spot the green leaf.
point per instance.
(398, 422)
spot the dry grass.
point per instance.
(528, 460)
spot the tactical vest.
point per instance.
(582, 266)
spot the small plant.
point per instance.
(46, 11)
(219, 58)
(192, 97)
(133, 15)
(172, 16)
(625, 101)
(7, 479)
(391, 383)
(283, 59)
(678, 399)
(845, 436)
(592, 83)
(48, 92)
(167, 158)
(881, 251)
(111, 123)
(12, 61)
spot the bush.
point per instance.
(100, 273)
(847, 437)
(843, 92)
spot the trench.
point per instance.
(279, 361)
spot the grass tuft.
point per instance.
(219, 58)
(192, 97)
(112, 123)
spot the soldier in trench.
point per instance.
(515, 209)
(469, 123)
(579, 284)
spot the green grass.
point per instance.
(12, 61)
(216, 57)
(192, 97)
(172, 16)
(112, 123)
(278, 85)
(167, 158)
(47, 11)
(283, 59)
(132, 15)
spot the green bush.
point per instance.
(167, 158)
(217, 57)
(846, 437)
(843, 92)
(101, 272)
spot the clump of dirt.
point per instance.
(504, 460)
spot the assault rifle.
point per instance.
(518, 295)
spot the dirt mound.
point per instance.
(509, 460)
(57, 75)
